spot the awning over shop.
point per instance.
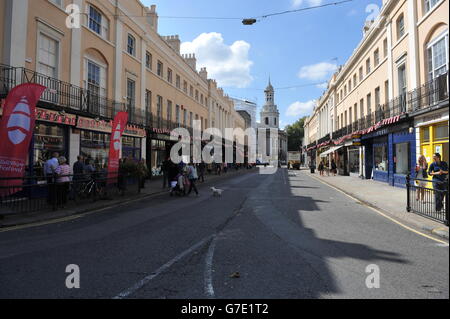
(331, 150)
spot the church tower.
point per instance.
(270, 117)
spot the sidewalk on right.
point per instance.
(389, 200)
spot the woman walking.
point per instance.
(421, 175)
(321, 168)
(333, 167)
(192, 176)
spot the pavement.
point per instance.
(390, 200)
(283, 236)
(152, 187)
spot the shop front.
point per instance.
(159, 144)
(390, 153)
(94, 139)
(432, 135)
(51, 134)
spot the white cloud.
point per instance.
(228, 64)
(315, 72)
(299, 109)
(297, 3)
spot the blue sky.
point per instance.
(294, 49)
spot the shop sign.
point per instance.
(106, 127)
(55, 117)
(356, 139)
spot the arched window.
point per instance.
(437, 56)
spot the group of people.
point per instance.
(182, 177)
(323, 167)
(439, 172)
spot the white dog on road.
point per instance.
(216, 191)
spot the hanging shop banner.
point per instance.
(119, 124)
(16, 131)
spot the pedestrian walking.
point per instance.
(201, 171)
(333, 167)
(439, 170)
(321, 168)
(192, 176)
(142, 173)
(63, 173)
(421, 175)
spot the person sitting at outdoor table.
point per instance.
(439, 170)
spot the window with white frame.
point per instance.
(148, 60)
(131, 45)
(368, 66)
(169, 110)
(400, 26)
(97, 22)
(169, 75)
(131, 94)
(376, 57)
(429, 4)
(402, 86)
(178, 81)
(437, 54)
(159, 107)
(160, 69)
(95, 78)
(48, 56)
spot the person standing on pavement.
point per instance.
(78, 175)
(50, 167)
(201, 171)
(142, 173)
(192, 176)
(439, 170)
(422, 175)
(165, 170)
(62, 181)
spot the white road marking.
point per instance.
(209, 289)
(144, 281)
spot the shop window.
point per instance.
(381, 158)
(402, 158)
(47, 140)
(441, 132)
(426, 135)
(95, 146)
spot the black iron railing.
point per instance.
(430, 94)
(35, 194)
(428, 198)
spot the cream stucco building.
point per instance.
(114, 60)
(389, 102)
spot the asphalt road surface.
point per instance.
(285, 234)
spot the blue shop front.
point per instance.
(390, 153)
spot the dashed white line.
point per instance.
(209, 289)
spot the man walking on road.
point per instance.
(439, 170)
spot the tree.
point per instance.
(295, 134)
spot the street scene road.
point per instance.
(282, 235)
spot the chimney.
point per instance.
(152, 17)
(203, 74)
(367, 26)
(174, 42)
(191, 60)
